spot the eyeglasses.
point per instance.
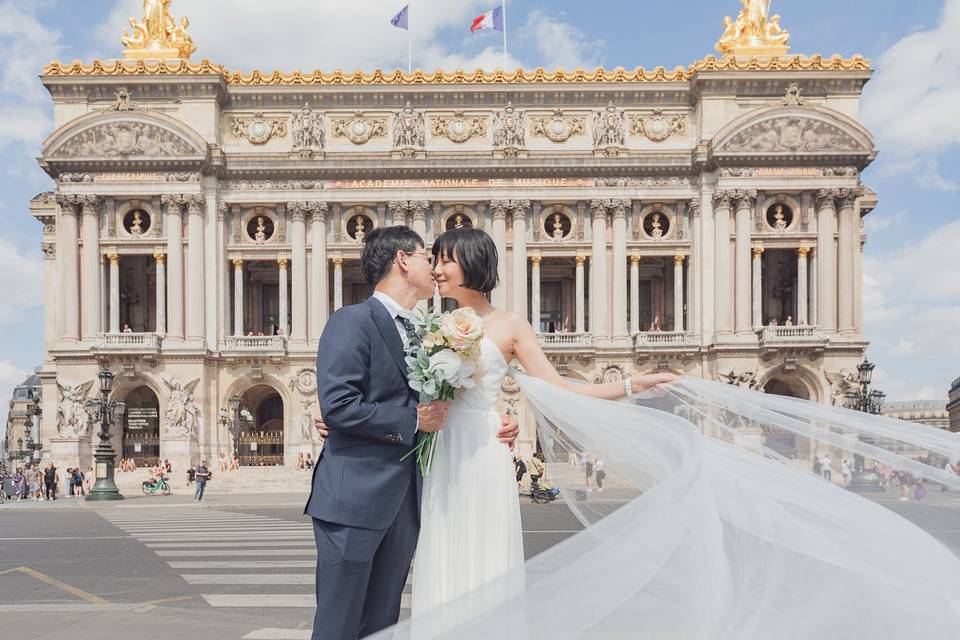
(426, 257)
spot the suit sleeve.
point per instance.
(343, 366)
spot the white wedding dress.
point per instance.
(470, 531)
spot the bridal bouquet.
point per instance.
(442, 356)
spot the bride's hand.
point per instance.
(642, 383)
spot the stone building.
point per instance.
(204, 223)
(17, 450)
(928, 412)
(953, 406)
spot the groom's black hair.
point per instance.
(476, 254)
(380, 250)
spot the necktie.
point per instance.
(412, 339)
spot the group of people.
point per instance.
(36, 483)
(536, 467)
(127, 464)
(305, 462)
(233, 464)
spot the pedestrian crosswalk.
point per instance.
(237, 560)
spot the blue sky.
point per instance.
(912, 301)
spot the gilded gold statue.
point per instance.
(754, 32)
(158, 36)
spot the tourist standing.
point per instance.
(77, 480)
(588, 471)
(50, 480)
(221, 461)
(88, 479)
(600, 474)
(20, 484)
(536, 469)
(521, 468)
(308, 463)
(825, 465)
(845, 471)
(202, 475)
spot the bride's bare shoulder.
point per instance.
(505, 322)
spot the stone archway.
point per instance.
(786, 443)
(262, 436)
(140, 429)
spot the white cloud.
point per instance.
(912, 313)
(322, 34)
(560, 44)
(877, 222)
(27, 271)
(933, 180)
(912, 100)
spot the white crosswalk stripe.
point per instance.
(238, 560)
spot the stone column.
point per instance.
(678, 292)
(581, 296)
(693, 266)
(161, 292)
(397, 209)
(812, 286)
(284, 308)
(634, 294)
(114, 293)
(620, 268)
(535, 293)
(757, 288)
(174, 227)
(802, 316)
(90, 271)
(319, 296)
(196, 325)
(420, 208)
(104, 271)
(745, 204)
(337, 283)
(721, 273)
(68, 259)
(498, 297)
(519, 210)
(238, 297)
(598, 270)
(847, 247)
(298, 247)
(826, 254)
(706, 264)
(52, 294)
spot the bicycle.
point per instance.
(158, 486)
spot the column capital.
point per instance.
(338, 262)
(723, 198)
(237, 263)
(113, 258)
(195, 204)
(69, 204)
(49, 249)
(757, 252)
(318, 211)
(222, 210)
(298, 211)
(803, 251)
(693, 206)
(90, 205)
(160, 257)
(744, 198)
(518, 208)
(579, 259)
(174, 202)
(678, 259)
(282, 263)
(848, 197)
(826, 198)
(419, 208)
(536, 260)
(499, 209)
(634, 259)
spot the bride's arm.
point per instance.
(527, 349)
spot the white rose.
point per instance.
(445, 365)
(461, 327)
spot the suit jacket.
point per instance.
(370, 410)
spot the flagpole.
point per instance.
(503, 6)
(409, 45)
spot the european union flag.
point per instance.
(400, 20)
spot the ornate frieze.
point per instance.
(273, 185)
(557, 127)
(124, 101)
(257, 129)
(409, 128)
(671, 181)
(656, 127)
(72, 417)
(359, 129)
(308, 132)
(124, 140)
(792, 133)
(458, 127)
(176, 176)
(183, 416)
(608, 127)
(751, 172)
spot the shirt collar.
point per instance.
(393, 307)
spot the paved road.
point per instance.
(234, 567)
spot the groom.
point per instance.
(365, 500)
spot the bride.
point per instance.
(470, 529)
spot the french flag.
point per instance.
(490, 20)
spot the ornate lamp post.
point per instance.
(234, 427)
(869, 401)
(19, 452)
(33, 422)
(107, 412)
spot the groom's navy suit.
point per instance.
(365, 501)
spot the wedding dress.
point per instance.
(470, 531)
(715, 534)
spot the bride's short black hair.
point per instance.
(476, 254)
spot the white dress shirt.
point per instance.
(394, 308)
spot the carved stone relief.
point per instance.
(458, 128)
(359, 129)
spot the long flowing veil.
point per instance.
(712, 526)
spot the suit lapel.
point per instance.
(388, 330)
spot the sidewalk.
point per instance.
(211, 500)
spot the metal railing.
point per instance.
(131, 341)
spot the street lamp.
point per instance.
(34, 412)
(107, 412)
(869, 401)
(234, 403)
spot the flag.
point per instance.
(400, 20)
(490, 20)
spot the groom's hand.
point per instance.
(320, 427)
(432, 416)
(509, 430)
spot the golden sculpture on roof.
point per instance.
(754, 32)
(158, 36)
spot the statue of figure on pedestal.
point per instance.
(158, 35)
(753, 32)
(360, 233)
(261, 233)
(557, 227)
(136, 227)
(779, 222)
(72, 419)
(182, 418)
(657, 231)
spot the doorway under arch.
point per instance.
(141, 427)
(261, 438)
(782, 441)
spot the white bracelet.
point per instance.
(628, 388)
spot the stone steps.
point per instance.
(246, 480)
